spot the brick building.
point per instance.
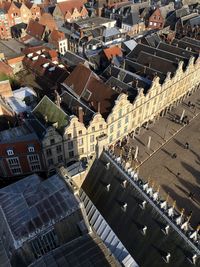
(158, 18)
(20, 152)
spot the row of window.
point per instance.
(69, 136)
(10, 151)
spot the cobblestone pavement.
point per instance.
(167, 162)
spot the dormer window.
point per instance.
(87, 94)
(31, 149)
(10, 152)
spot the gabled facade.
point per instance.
(70, 10)
(26, 13)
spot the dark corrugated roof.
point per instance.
(147, 249)
(85, 251)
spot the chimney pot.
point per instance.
(80, 114)
(99, 107)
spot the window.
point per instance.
(111, 128)
(59, 149)
(92, 148)
(87, 94)
(31, 149)
(155, 24)
(60, 158)
(120, 113)
(81, 150)
(125, 129)
(118, 134)
(50, 162)
(48, 151)
(13, 161)
(33, 158)
(16, 170)
(100, 126)
(35, 167)
(10, 152)
(119, 124)
(80, 141)
(91, 138)
(70, 145)
(111, 138)
(80, 132)
(69, 136)
(126, 119)
(71, 154)
(52, 141)
(150, 23)
(93, 129)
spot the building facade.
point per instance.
(21, 152)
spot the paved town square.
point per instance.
(171, 158)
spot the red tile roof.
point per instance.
(35, 29)
(112, 52)
(47, 20)
(70, 5)
(5, 68)
(56, 36)
(102, 95)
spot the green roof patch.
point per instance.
(48, 112)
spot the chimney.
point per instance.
(80, 114)
(108, 187)
(99, 107)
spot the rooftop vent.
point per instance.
(45, 65)
(61, 66)
(39, 52)
(30, 55)
(35, 58)
(43, 55)
(107, 187)
(56, 62)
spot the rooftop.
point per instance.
(93, 21)
(11, 48)
(125, 199)
(32, 204)
(49, 113)
(20, 133)
(85, 251)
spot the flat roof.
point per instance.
(11, 48)
(97, 21)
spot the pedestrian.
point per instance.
(174, 156)
(186, 145)
(178, 174)
(189, 103)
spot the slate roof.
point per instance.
(85, 251)
(47, 109)
(108, 32)
(147, 250)
(132, 19)
(194, 21)
(165, 10)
